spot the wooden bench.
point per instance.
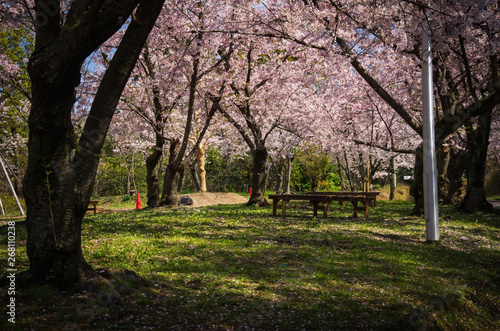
(94, 208)
(367, 199)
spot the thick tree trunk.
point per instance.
(200, 163)
(60, 175)
(443, 158)
(170, 183)
(170, 180)
(456, 183)
(152, 173)
(417, 188)
(259, 177)
(56, 195)
(475, 198)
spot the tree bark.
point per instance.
(443, 158)
(392, 182)
(60, 176)
(180, 181)
(152, 173)
(200, 163)
(417, 188)
(279, 176)
(259, 177)
(475, 197)
(170, 180)
(288, 174)
(339, 170)
(456, 169)
(194, 174)
(170, 184)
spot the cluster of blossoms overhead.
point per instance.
(344, 75)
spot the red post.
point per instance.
(250, 192)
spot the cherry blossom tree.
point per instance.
(170, 86)
(268, 93)
(61, 165)
(373, 37)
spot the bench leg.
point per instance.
(275, 202)
(283, 208)
(355, 205)
(325, 209)
(95, 208)
(366, 204)
(315, 209)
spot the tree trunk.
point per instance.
(475, 198)
(443, 159)
(170, 180)
(259, 177)
(200, 162)
(392, 183)
(350, 178)
(288, 174)
(194, 174)
(170, 184)
(180, 181)
(417, 188)
(60, 175)
(127, 186)
(279, 176)
(339, 170)
(456, 183)
(152, 173)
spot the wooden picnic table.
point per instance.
(367, 199)
(94, 204)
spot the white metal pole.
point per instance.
(12, 187)
(430, 169)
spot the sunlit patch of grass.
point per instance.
(236, 267)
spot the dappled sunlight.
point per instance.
(233, 267)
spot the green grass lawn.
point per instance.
(235, 268)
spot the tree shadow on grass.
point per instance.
(231, 269)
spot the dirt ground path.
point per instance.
(214, 198)
(199, 200)
(495, 203)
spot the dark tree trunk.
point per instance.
(194, 174)
(417, 188)
(180, 181)
(475, 198)
(170, 180)
(152, 175)
(456, 169)
(443, 157)
(392, 182)
(60, 176)
(170, 184)
(259, 177)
